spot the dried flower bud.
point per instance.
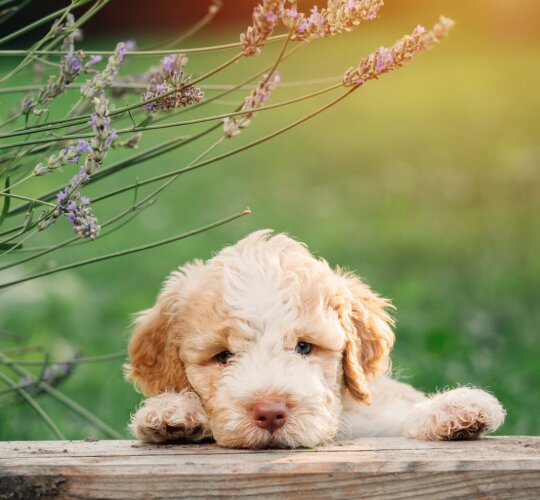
(338, 16)
(233, 125)
(263, 22)
(103, 136)
(385, 60)
(69, 70)
(170, 75)
(70, 154)
(106, 77)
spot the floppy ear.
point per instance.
(155, 364)
(369, 337)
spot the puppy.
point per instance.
(266, 346)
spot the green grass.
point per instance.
(426, 183)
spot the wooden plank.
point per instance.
(502, 467)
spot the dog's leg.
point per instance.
(171, 417)
(400, 410)
(463, 413)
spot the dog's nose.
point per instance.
(269, 414)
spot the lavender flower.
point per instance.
(106, 77)
(264, 21)
(70, 154)
(103, 135)
(93, 60)
(338, 16)
(69, 201)
(233, 125)
(75, 208)
(170, 75)
(385, 60)
(69, 70)
(83, 220)
(75, 34)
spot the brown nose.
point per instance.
(270, 414)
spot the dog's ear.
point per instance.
(369, 336)
(155, 364)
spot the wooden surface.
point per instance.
(502, 467)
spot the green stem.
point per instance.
(189, 33)
(39, 22)
(26, 198)
(229, 153)
(72, 405)
(34, 404)
(174, 124)
(14, 10)
(128, 251)
(74, 361)
(84, 119)
(19, 53)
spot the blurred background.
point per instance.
(426, 183)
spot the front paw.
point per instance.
(463, 413)
(170, 417)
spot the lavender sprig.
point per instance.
(106, 77)
(103, 135)
(233, 125)
(70, 154)
(338, 16)
(76, 34)
(69, 201)
(263, 22)
(72, 64)
(170, 75)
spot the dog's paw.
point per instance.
(170, 417)
(463, 413)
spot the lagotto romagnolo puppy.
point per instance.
(265, 345)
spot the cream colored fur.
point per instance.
(258, 299)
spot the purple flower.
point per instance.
(149, 106)
(291, 13)
(167, 63)
(83, 146)
(74, 62)
(72, 205)
(61, 196)
(161, 88)
(271, 17)
(94, 59)
(85, 201)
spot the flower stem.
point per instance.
(19, 53)
(72, 405)
(229, 153)
(84, 118)
(127, 251)
(174, 124)
(34, 404)
(74, 361)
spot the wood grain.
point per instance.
(501, 467)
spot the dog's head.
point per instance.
(269, 337)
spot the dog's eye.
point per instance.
(303, 348)
(223, 357)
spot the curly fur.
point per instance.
(258, 299)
